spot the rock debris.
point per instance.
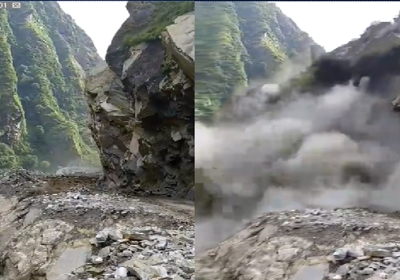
(85, 234)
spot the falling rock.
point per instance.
(176, 136)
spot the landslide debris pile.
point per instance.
(313, 244)
(70, 231)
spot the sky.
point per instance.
(100, 20)
(332, 24)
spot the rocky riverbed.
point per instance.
(76, 232)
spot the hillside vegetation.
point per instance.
(164, 14)
(237, 42)
(43, 54)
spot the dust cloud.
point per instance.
(339, 149)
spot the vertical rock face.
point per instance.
(142, 106)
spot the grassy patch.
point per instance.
(164, 14)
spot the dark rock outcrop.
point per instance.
(374, 56)
(142, 108)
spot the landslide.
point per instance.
(324, 143)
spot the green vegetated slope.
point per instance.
(164, 14)
(237, 42)
(43, 54)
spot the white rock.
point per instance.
(121, 272)
(340, 254)
(96, 259)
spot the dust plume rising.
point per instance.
(339, 149)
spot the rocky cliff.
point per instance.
(238, 42)
(43, 55)
(142, 101)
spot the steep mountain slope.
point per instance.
(43, 54)
(238, 42)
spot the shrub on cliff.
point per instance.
(7, 157)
